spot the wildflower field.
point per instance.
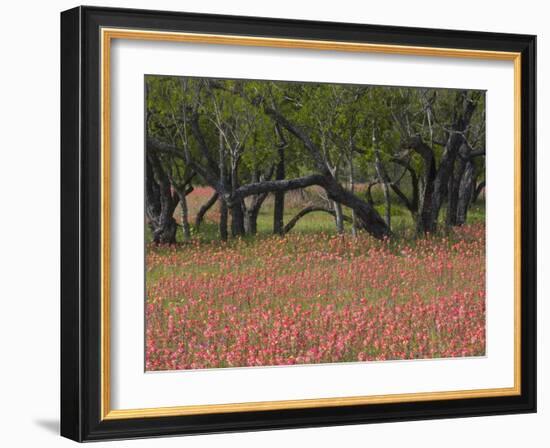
(313, 296)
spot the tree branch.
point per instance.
(310, 209)
(412, 204)
(157, 145)
(272, 186)
(300, 135)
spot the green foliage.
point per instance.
(354, 126)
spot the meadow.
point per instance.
(313, 296)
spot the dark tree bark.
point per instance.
(273, 186)
(223, 220)
(219, 176)
(352, 189)
(338, 218)
(236, 205)
(384, 180)
(462, 186)
(237, 218)
(465, 193)
(453, 192)
(368, 218)
(252, 209)
(185, 219)
(426, 222)
(182, 196)
(152, 195)
(161, 203)
(182, 189)
(413, 203)
(436, 179)
(252, 212)
(464, 109)
(204, 209)
(279, 196)
(429, 171)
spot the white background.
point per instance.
(133, 388)
(29, 179)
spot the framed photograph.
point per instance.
(276, 224)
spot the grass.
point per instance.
(314, 296)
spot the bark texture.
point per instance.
(204, 209)
(160, 202)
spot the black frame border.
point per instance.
(81, 223)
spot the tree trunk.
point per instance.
(368, 193)
(152, 196)
(161, 203)
(412, 204)
(367, 217)
(236, 206)
(185, 218)
(223, 204)
(453, 192)
(237, 219)
(205, 207)
(383, 179)
(338, 218)
(440, 188)
(165, 233)
(252, 212)
(425, 223)
(250, 222)
(383, 176)
(352, 189)
(464, 109)
(436, 181)
(465, 194)
(452, 196)
(279, 196)
(182, 191)
(223, 220)
(461, 188)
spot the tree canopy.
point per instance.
(425, 148)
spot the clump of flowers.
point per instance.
(315, 299)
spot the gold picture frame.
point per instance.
(517, 49)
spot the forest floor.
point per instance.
(313, 296)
